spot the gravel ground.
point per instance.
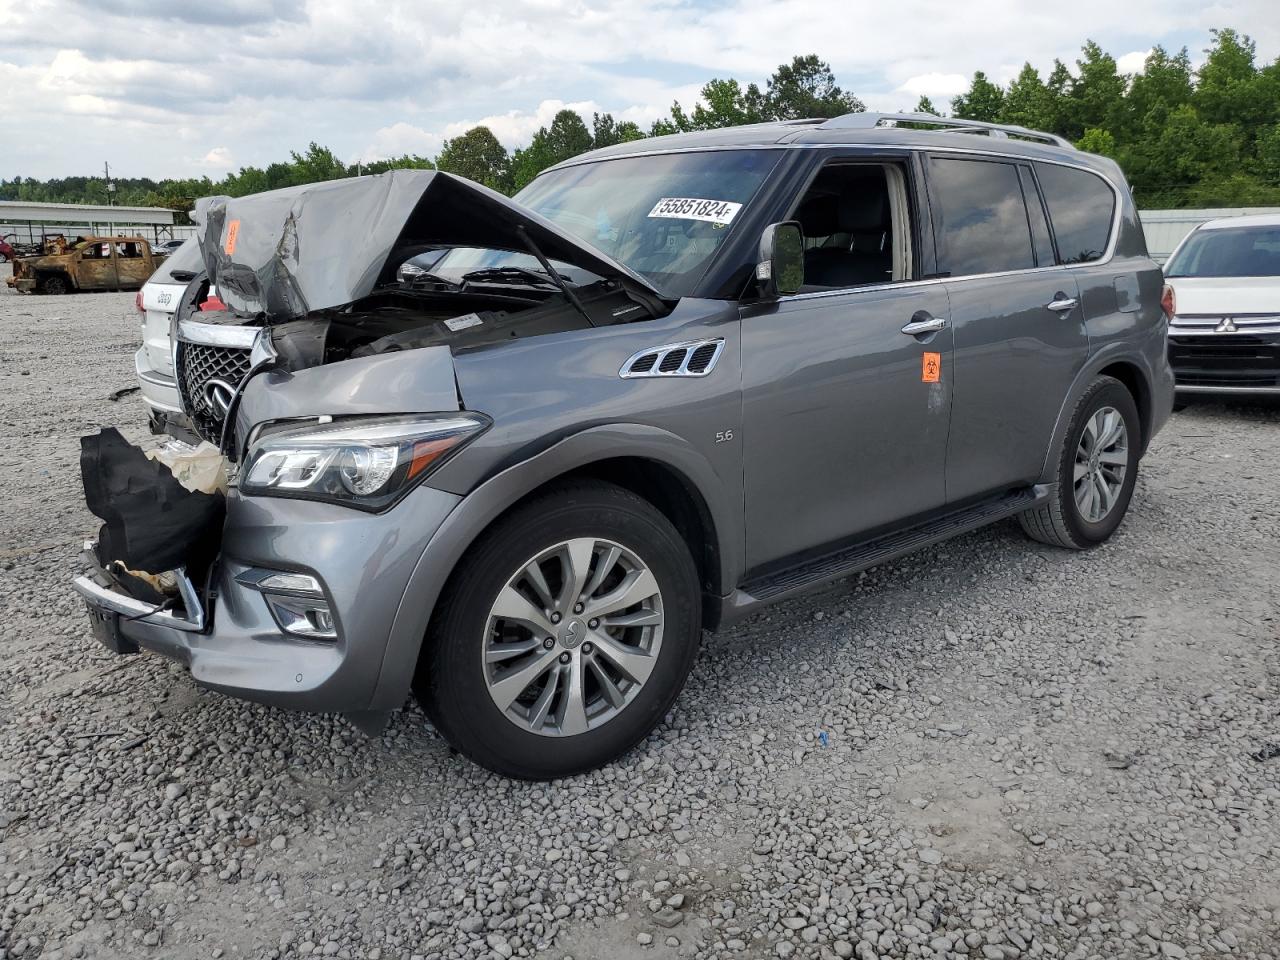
(998, 750)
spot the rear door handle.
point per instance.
(1061, 304)
(918, 328)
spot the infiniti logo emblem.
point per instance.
(572, 633)
(218, 394)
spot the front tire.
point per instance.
(565, 634)
(54, 285)
(1097, 470)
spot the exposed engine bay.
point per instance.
(394, 319)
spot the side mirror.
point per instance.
(780, 266)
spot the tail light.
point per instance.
(137, 303)
(1168, 302)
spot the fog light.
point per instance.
(302, 617)
(296, 601)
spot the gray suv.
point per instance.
(670, 382)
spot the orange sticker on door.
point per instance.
(931, 368)
(233, 232)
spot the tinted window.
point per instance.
(1081, 206)
(1039, 225)
(981, 217)
(1228, 252)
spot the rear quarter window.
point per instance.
(1082, 208)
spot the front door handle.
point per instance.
(1061, 303)
(918, 328)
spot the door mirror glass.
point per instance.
(780, 266)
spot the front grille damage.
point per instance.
(208, 377)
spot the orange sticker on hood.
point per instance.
(931, 368)
(233, 231)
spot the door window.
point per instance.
(1081, 208)
(129, 250)
(1045, 256)
(980, 215)
(855, 224)
(96, 251)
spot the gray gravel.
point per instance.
(998, 750)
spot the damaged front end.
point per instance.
(272, 558)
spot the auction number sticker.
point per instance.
(691, 208)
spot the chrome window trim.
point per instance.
(925, 151)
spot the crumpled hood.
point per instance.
(287, 252)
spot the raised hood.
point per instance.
(288, 252)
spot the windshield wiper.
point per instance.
(558, 280)
(435, 279)
(510, 275)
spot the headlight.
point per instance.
(407, 271)
(362, 462)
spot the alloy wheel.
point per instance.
(572, 637)
(1102, 459)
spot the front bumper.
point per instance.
(22, 284)
(1206, 358)
(228, 637)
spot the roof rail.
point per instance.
(866, 121)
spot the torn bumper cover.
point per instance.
(285, 602)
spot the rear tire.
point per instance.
(1097, 469)
(520, 605)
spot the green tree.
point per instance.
(566, 137)
(1097, 95)
(807, 88)
(316, 164)
(925, 105)
(477, 155)
(983, 101)
(1028, 102)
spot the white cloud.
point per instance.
(936, 85)
(1133, 62)
(399, 139)
(219, 157)
(515, 127)
(152, 87)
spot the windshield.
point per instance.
(663, 215)
(1228, 252)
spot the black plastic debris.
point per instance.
(151, 522)
(1269, 751)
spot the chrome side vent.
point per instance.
(695, 358)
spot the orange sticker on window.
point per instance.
(931, 368)
(233, 231)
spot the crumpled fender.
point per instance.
(408, 381)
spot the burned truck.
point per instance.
(90, 263)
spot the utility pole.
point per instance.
(111, 187)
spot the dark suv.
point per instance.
(672, 381)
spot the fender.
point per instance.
(1116, 351)
(491, 498)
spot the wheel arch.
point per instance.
(1123, 366)
(44, 274)
(657, 465)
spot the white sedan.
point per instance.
(1222, 297)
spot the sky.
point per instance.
(176, 89)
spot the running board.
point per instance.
(869, 553)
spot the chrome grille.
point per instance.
(196, 366)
